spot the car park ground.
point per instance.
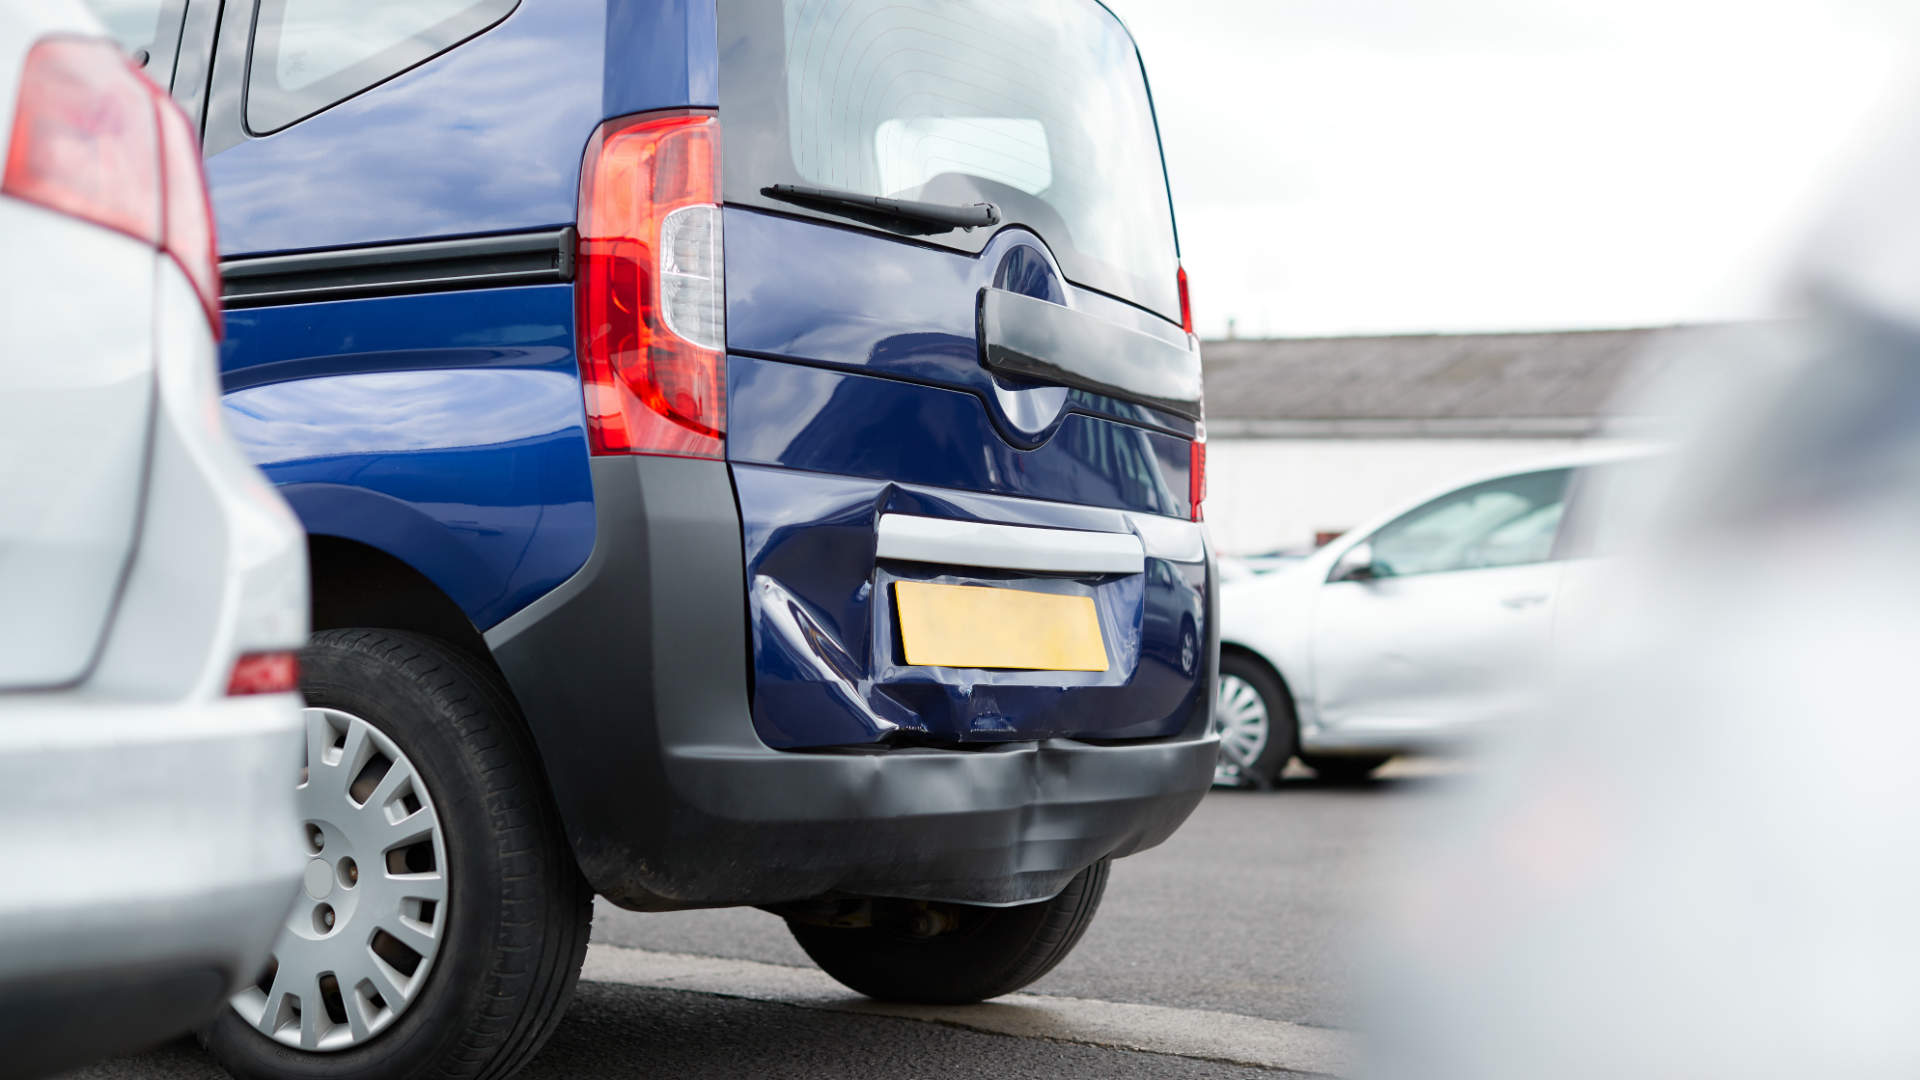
(1225, 952)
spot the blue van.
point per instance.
(752, 452)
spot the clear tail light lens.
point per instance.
(650, 290)
(95, 139)
(692, 280)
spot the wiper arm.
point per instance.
(925, 213)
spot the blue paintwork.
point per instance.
(855, 387)
(826, 667)
(445, 429)
(485, 138)
(821, 420)
(799, 290)
(661, 55)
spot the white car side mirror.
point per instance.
(1355, 565)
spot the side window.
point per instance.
(1506, 522)
(309, 54)
(1526, 539)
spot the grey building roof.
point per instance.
(1499, 385)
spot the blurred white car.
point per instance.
(154, 585)
(1408, 633)
(1699, 867)
(1241, 567)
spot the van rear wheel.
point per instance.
(442, 921)
(954, 954)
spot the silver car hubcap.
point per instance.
(1240, 716)
(372, 908)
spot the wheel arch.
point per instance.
(1234, 648)
(358, 585)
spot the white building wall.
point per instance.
(1270, 493)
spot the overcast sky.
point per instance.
(1356, 166)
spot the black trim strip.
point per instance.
(1034, 339)
(479, 262)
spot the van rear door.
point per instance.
(963, 404)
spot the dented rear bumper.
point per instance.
(634, 676)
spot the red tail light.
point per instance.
(188, 231)
(264, 673)
(95, 139)
(1197, 450)
(84, 138)
(650, 292)
(1197, 471)
(1186, 303)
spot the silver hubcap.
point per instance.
(1240, 716)
(372, 909)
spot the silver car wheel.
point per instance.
(372, 910)
(1240, 717)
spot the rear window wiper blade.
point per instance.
(944, 215)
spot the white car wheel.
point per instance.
(1241, 718)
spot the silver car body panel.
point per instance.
(146, 816)
(76, 416)
(1405, 664)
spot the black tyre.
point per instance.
(984, 953)
(1342, 769)
(470, 985)
(1253, 714)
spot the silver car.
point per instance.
(1412, 632)
(154, 585)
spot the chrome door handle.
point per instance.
(1524, 600)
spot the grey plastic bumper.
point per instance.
(634, 675)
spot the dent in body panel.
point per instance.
(827, 664)
(467, 460)
(788, 636)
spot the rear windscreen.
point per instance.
(1038, 106)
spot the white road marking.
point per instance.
(1194, 1033)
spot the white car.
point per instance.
(1706, 844)
(1241, 567)
(1409, 633)
(154, 585)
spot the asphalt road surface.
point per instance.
(1225, 952)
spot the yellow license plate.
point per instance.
(972, 626)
